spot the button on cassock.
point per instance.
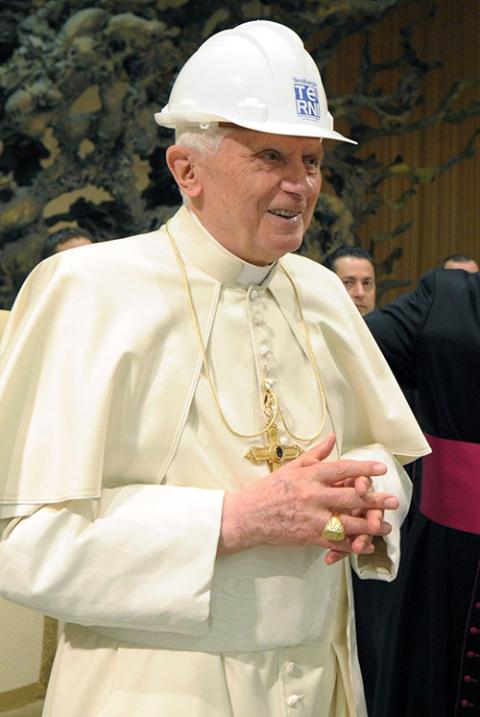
(293, 700)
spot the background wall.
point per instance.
(445, 214)
(28, 646)
(79, 84)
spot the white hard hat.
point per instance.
(257, 76)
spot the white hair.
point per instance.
(203, 138)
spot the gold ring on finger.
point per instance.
(334, 529)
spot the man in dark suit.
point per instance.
(430, 659)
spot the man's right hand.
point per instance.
(292, 505)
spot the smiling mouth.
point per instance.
(284, 213)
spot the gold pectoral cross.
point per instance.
(274, 453)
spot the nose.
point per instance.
(358, 290)
(297, 180)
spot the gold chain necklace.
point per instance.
(271, 408)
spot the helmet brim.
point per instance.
(172, 120)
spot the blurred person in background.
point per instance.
(429, 663)
(356, 269)
(67, 238)
(460, 261)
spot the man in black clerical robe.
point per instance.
(429, 664)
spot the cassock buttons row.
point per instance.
(468, 679)
(293, 699)
(259, 321)
(256, 294)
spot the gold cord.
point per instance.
(270, 400)
(271, 407)
(313, 362)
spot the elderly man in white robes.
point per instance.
(197, 427)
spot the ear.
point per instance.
(181, 163)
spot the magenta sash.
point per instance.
(451, 484)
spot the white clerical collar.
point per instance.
(210, 256)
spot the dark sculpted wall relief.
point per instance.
(80, 81)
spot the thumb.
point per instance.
(319, 452)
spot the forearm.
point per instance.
(142, 558)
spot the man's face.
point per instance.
(258, 192)
(470, 266)
(358, 277)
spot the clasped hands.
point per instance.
(292, 505)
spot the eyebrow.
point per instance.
(318, 153)
(362, 278)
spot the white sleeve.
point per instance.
(384, 562)
(141, 557)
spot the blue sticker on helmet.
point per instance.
(306, 99)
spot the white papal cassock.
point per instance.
(114, 450)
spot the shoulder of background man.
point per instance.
(449, 284)
(456, 277)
